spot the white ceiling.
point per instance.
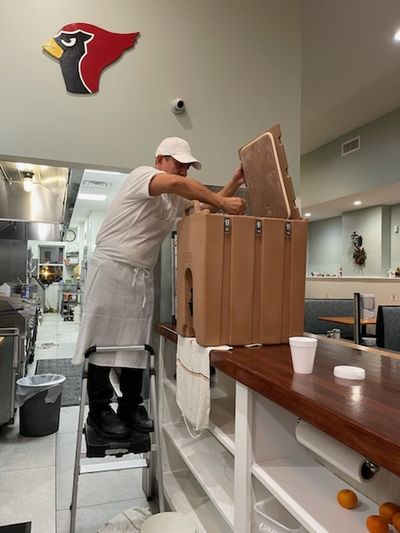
(350, 66)
(350, 76)
(84, 207)
(387, 195)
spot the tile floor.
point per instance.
(36, 473)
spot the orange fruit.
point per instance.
(347, 498)
(396, 522)
(388, 510)
(377, 524)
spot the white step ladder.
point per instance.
(137, 443)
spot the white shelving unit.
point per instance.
(308, 491)
(184, 494)
(249, 453)
(210, 463)
(222, 416)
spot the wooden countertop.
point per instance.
(364, 415)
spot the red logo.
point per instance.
(84, 51)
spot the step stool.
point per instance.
(136, 443)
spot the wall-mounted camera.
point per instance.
(178, 106)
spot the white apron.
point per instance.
(117, 311)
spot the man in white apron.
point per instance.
(118, 304)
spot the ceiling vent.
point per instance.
(93, 184)
(351, 146)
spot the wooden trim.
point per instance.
(168, 331)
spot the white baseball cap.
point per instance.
(179, 149)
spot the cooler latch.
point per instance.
(288, 229)
(227, 226)
(258, 228)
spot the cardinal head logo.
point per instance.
(84, 51)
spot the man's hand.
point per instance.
(238, 177)
(233, 205)
(236, 181)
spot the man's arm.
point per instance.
(193, 190)
(232, 186)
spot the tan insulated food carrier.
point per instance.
(241, 279)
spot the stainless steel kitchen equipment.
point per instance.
(9, 343)
(42, 211)
(15, 313)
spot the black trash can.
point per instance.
(39, 398)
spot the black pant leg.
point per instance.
(99, 388)
(131, 387)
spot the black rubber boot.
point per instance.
(136, 418)
(107, 424)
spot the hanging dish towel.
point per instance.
(193, 383)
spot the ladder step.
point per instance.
(98, 446)
(115, 465)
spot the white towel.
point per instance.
(129, 521)
(193, 383)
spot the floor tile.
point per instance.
(46, 354)
(90, 519)
(29, 495)
(69, 419)
(94, 489)
(65, 349)
(18, 452)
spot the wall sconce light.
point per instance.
(28, 181)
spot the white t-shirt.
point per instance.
(136, 223)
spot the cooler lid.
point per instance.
(265, 168)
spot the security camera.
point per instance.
(178, 106)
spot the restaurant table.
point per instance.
(348, 320)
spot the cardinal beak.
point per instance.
(52, 48)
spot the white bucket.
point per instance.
(168, 522)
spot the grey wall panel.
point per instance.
(13, 260)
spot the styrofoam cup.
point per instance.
(303, 351)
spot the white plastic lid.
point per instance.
(349, 372)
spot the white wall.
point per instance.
(324, 251)
(387, 291)
(395, 237)
(34, 246)
(81, 239)
(94, 221)
(372, 224)
(326, 174)
(235, 63)
(330, 246)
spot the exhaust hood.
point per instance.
(36, 201)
